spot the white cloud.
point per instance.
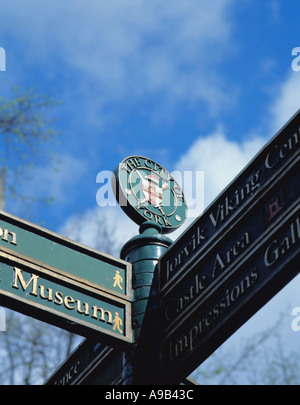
(287, 102)
(220, 158)
(90, 227)
(127, 48)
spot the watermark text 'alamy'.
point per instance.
(191, 182)
(2, 60)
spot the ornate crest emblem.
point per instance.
(147, 192)
(151, 189)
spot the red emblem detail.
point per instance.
(273, 208)
(151, 190)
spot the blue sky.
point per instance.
(155, 78)
(191, 84)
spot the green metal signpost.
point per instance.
(163, 307)
(152, 198)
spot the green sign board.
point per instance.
(54, 252)
(62, 301)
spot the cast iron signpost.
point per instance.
(219, 272)
(235, 257)
(151, 197)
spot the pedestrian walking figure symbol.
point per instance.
(118, 280)
(117, 321)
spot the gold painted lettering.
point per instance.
(148, 214)
(133, 163)
(125, 167)
(158, 219)
(178, 193)
(69, 300)
(58, 298)
(4, 233)
(19, 277)
(149, 163)
(13, 239)
(102, 313)
(84, 311)
(167, 223)
(48, 297)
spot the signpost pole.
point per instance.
(188, 298)
(143, 251)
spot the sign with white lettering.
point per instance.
(62, 301)
(58, 254)
(221, 256)
(92, 363)
(226, 209)
(254, 280)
